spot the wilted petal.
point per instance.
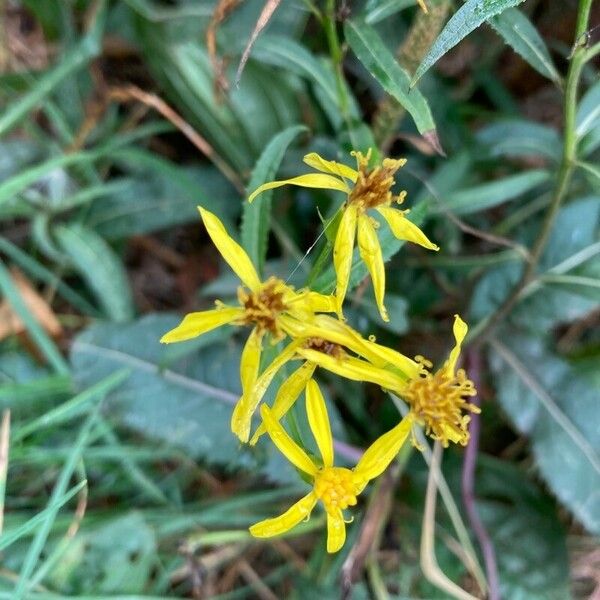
(310, 180)
(342, 252)
(318, 420)
(330, 166)
(460, 329)
(289, 519)
(336, 531)
(370, 252)
(197, 323)
(285, 443)
(404, 229)
(233, 254)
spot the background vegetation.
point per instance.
(118, 475)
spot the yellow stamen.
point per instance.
(438, 401)
(336, 488)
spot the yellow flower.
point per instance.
(262, 304)
(336, 487)
(366, 189)
(438, 399)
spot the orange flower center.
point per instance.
(262, 308)
(438, 401)
(335, 487)
(373, 187)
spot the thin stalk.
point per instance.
(578, 58)
(337, 56)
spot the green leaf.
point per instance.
(522, 36)
(100, 267)
(378, 60)
(467, 18)
(557, 407)
(488, 195)
(256, 217)
(378, 11)
(588, 112)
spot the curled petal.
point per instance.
(318, 420)
(288, 393)
(370, 252)
(250, 360)
(233, 254)
(354, 368)
(460, 331)
(382, 451)
(342, 252)
(310, 180)
(312, 302)
(330, 166)
(404, 229)
(244, 409)
(286, 444)
(197, 323)
(288, 520)
(336, 531)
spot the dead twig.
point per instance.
(4, 439)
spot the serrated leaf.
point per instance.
(467, 18)
(378, 60)
(256, 217)
(100, 268)
(522, 36)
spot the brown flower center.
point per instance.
(373, 187)
(262, 308)
(321, 345)
(335, 487)
(438, 399)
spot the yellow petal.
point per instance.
(460, 329)
(318, 420)
(197, 323)
(370, 252)
(336, 531)
(382, 451)
(242, 413)
(330, 166)
(288, 393)
(354, 369)
(287, 446)
(342, 253)
(310, 180)
(250, 360)
(423, 5)
(289, 519)
(312, 302)
(404, 229)
(233, 254)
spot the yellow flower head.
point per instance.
(439, 399)
(336, 487)
(262, 305)
(366, 189)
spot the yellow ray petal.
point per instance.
(382, 451)
(354, 369)
(289, 519)
(423, 5)
(404, 229)
(197, 323)
(250, 360)
(310, 180)
(242, 413)
(288, 393)
(336, 531)
(312, 302)
(318, 420)
(287, 446)
(233, 254)
(370, 252)
(330, 166)
(460, 329)
(342, 253)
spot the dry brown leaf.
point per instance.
(10, 322)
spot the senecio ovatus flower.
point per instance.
(336, 487)
(270, 307)
(367, 189)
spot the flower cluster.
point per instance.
(315, 335)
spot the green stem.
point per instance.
(578, 58)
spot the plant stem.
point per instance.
(565, 171)
(337, 56)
